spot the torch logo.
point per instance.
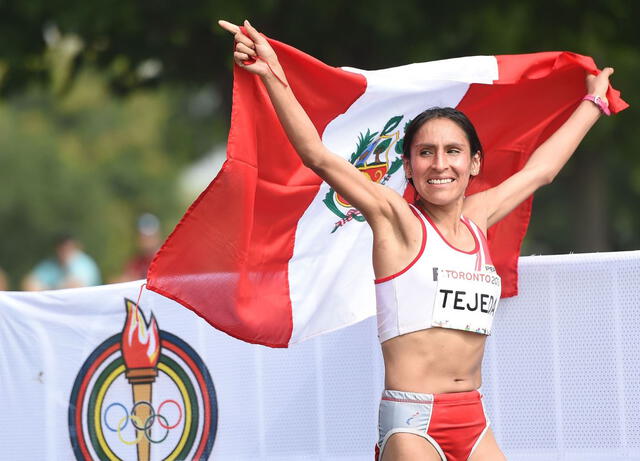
(143, 394)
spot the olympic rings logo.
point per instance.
(143, 429)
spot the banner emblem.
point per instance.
(143, 394)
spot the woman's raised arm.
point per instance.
(545, 163)
(254, 54)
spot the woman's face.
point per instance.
(441, 162)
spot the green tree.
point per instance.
(87, 163)
(106, 97)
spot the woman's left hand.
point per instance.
(597, 85)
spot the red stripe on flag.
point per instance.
(534, 95)
(518, 67)
(227, 259)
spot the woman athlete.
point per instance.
(436, 288)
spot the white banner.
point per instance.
(85, 374)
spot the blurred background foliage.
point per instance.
(105, 105)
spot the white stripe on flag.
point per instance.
(324, 298)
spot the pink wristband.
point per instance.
(598, 101)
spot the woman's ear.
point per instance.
(475, 164)
(406, 163)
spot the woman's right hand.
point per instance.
(252, 51)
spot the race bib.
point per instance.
(466, 300)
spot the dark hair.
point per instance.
(441, 112)
(63, 237)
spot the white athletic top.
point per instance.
(442, 287)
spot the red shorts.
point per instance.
(453, 423)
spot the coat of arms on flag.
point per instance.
(378, 155)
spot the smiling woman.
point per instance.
(436, 288)
(443, 160)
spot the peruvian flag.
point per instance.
(271, 254)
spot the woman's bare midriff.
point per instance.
(434, 361)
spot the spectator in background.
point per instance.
(4, 282)
(70, 268)
(149, 241)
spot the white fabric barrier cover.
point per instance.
(561, 376)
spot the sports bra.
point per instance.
(442, 287)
